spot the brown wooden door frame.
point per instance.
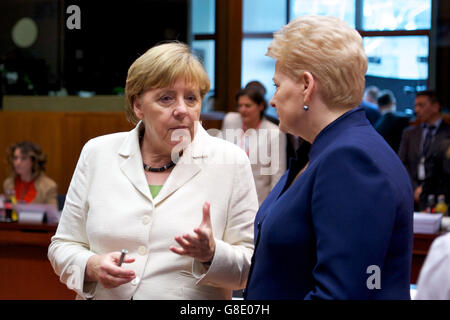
(228, 53)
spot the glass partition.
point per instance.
(263, 15)
(396, 15)
(344, 9)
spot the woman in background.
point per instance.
(258, 137)
(28, 182)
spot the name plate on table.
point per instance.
(37, 213)
(427, 222)
(32, 217)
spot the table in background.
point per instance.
(25, 271)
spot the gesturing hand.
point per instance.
(201, 245)
(104, 269)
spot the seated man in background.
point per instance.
(28, 182)
(420, 144)
(391, 124)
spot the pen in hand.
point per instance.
(122, 257)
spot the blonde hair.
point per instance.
(161, 66)
(330, 50)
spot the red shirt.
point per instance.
(25, 191)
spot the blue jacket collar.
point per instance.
(355, 117)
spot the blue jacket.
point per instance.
(350, 210)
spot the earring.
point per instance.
(305, 108)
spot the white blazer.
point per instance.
(269, 145)
(109, 207)
(434, 279)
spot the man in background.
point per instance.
(421, 144)
(392, 123)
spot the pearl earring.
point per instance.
(306, 108)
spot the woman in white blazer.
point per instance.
(261, 139)
(182, 203)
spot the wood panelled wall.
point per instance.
(61, 136)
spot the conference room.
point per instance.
(68, 69)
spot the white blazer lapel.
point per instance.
(187, 167)
(130, 162)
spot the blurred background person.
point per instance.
(421, 143)
(292, 142)
(259, 138)
(146, 190)
(369, 104)
(332, 226)
(392, 123)
(28, 181)
(370, 95)
(257, 85)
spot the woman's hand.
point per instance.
(201, 245)
(104, 270)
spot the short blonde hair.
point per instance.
(330, 50)
(161, 66)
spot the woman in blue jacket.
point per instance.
(339, 226)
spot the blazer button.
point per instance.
(146, 220)
(142, 250)
(135, 281)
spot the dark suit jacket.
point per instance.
(409, 151)
(350, 210)
(391, 126)
(438, 182)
